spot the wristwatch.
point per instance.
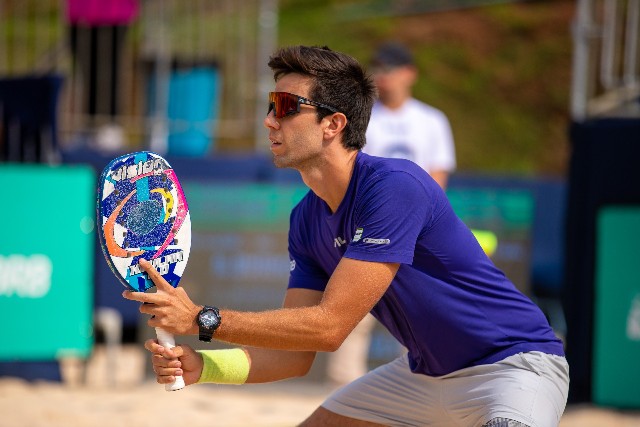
(208, 321)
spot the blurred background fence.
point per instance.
(191, 77)
(606, 59)
(148, 73)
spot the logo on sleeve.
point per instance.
(358, 234)
(292, 265)
(377, 241)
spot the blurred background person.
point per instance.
(401, 127)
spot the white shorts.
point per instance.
(530, 388)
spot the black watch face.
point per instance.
(208, 319)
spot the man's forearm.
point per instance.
(291, 329)
(275, 365)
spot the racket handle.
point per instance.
(168, 341)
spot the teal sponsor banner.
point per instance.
(46, 261)
(218, 206)
(242, 207)
(616, 341)
(239, 242)
(504, 218)
(503, 209)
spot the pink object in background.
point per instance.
(102, 12)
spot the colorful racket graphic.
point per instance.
(143, 213)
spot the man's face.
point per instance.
(394, 81)
(296, 140)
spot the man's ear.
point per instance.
(335, 123)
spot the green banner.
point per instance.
(501, 219)
(218, 206)
(507, 209)
(46, 261)
(616, 341)
(241, 207)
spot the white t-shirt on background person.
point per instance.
(415, 131)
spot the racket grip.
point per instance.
(168, 341)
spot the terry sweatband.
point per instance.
(229, 366)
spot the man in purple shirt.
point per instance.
(372, 235)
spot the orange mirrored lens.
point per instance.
(283, 103)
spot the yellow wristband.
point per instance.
(224, 366)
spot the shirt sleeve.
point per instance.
(393, 212)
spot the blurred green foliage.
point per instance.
(501, 72)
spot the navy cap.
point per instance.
(392, 55)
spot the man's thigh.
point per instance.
(527, 388)
(390, 395)
(324, 418)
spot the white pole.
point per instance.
(159, 123)
(267, 40)
(581, 36)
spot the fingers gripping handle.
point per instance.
(168, 341)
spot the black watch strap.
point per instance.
(208, 321)
(205, 336)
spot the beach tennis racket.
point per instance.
(143, 213)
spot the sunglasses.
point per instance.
(286, 104)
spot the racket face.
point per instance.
(143, 213)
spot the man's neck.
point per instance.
(330, 180)
(394, 102)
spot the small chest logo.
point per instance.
(338, 241)
(358, 234)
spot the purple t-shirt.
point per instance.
(448, 304)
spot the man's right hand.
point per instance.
(169, 363)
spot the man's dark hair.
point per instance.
(337, 80)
